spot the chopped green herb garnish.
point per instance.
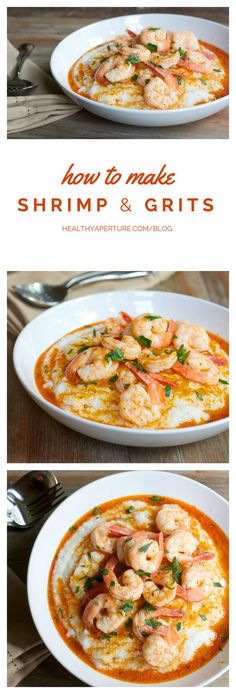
(179, 79)
(133, 59)
(128, 622)
(73, 528)
(94, 332)
(156, 498)
(151, 317)
(203, 81)
(167, 391)
(216, 69)
(89, 554)
(77, 589)
(148, 608)
(137, 366)
(134, 77)
(203, 617)
(182, 354)
(199, 395)
(178, 626)
(104, 572)
(96, 511)
(144, 548)
(130, 509)
(115, 355)
(143, 341)
(60, 612)
(167, 568)
(217, 584)
(113, 379)
(151, 47)
(176, 571)
(140, 572)
(112, 584)
(221, 380)
(182, 53)
(89, 582)
(127, 606)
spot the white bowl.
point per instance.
(94, 494)
(55, 322)
(80, 41)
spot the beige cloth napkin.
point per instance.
(44, 105)
(20, 313)
(25, 650)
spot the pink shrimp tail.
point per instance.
(126, 317)
(131, 34)
(169, 612)
(163, 380)
(120, 530)
(193, 67)
(204, 556)
(217, 360)
(155, 390)
(190, 594)
(188, 373)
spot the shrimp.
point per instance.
(92, 365)
(158, 37)
(149, 379)
(198, 368)
(138, 407)
(115, 326)
(171, 517)
(141, 621)
(128, 346)
(159, 597)
(196, 584)
(125, 378)
(180, 544)
(186, 40)
(157, 94)
(138, 50)
(168, 60)
(144, 551)
(153, 363)
(102, 614)
(100, 536)
(191, 335)
(114, 69)
(144, 76)
(131, 586)
(161, 648)
(154, 328)
(196, 61)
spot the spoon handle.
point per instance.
(91, 277)
(24, 51)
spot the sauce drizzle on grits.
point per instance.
(143, 372)
(79, 579)
(157, 69)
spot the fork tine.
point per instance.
(48, 504)
(37, 516)
(44, 495)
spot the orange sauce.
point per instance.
(150, 676)
(47, 393)
(221, 55)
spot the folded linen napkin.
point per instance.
(20, 313)
(44, 105)
(25, 650)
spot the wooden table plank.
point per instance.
(45, 27)
(35, 438)
(50, 673)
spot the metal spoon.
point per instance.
(40, 294)
(31, 497)
(17, 86)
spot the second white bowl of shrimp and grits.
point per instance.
(169, 92)
(165, 405)
(146, 495)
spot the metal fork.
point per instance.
(31, 497)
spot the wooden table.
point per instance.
(50, 673)
(36, 438)
(45, 27)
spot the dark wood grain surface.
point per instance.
(50, 673)
(35, 438)
(45, 27)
